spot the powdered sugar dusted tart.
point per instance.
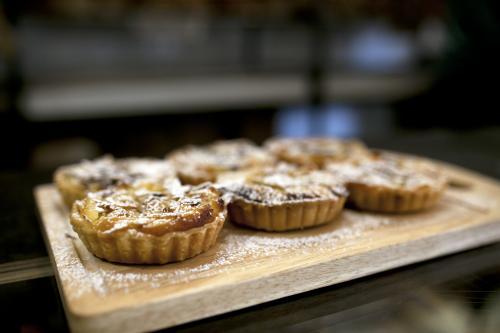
(391, 184)
(139, 226)
(198, 164)
(283, 198)
(316, 152)
(74, 181)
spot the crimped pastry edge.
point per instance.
(392, 200)
(286, 216)
(132, 247)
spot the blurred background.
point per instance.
(80, 78)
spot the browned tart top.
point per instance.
(283, 184)
(391, 171)
(107, 171)
(207, 161)
(315, 151)
(149, 212)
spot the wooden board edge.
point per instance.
(237, 296)
(38, 192)
(223, 299)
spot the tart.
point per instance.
(283, 198)
(391, 184)
(316, 152)
(139, 226)
(198, 164)
(74, 181)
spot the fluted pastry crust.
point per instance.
(316, 152)
(392, 184)
(74, 181)
(198, 164)
(279, 199)
(144, 227)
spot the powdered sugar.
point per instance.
(237, 249)
(283, 184)
(390, 171)
(221, 156)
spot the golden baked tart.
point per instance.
(283, 198)
(198, 164)
(138, 226)
(74, 181)
(315, 152)
(391, 184)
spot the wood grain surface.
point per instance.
(249, 267)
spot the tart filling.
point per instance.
(140, 226)
(198, 164)
(74, 181)
(284, 198)
(316, 152)
(391, 184)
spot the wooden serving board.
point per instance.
(249, 267)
